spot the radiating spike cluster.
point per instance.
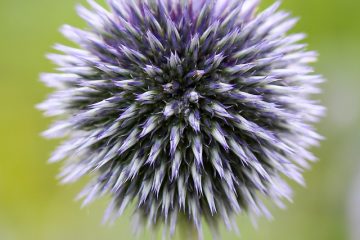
(185, 108)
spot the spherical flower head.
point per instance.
(191, 109)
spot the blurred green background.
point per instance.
(34, 207)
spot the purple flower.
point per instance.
(185, 108)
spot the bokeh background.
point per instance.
(34, 207)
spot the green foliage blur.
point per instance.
(34, 207)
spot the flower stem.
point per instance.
(187, 229)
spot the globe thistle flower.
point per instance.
(185, 108)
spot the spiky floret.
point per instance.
(191, 108)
